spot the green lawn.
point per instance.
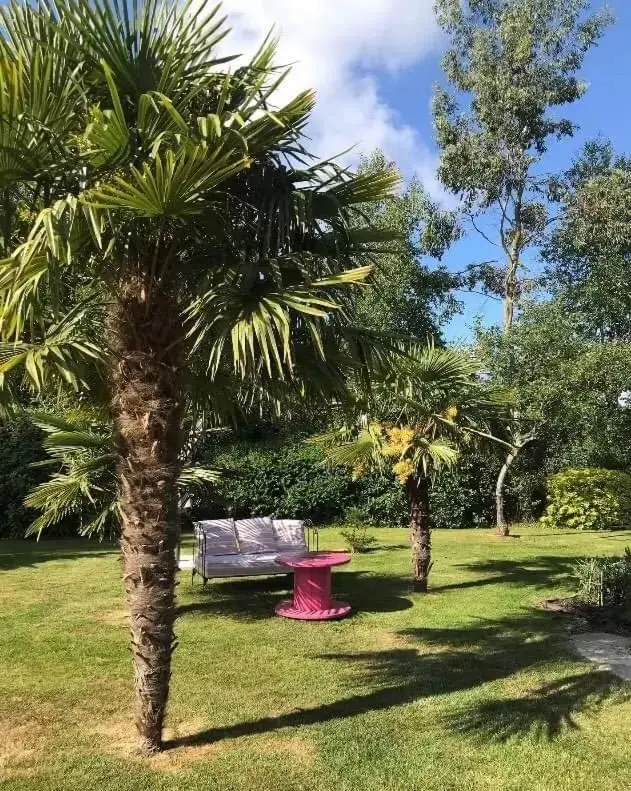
(468, 687)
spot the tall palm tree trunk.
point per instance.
(147, 406)
(420, 533)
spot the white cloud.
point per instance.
(340, 48)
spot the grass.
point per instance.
(468, 687)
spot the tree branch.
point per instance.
(481, 232)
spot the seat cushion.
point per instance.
(243, 565)
(289, 534)
(255, 535)
(220, 537)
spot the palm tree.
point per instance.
(410, 424)
(83, 485)
(162, 223)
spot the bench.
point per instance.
(248, 547)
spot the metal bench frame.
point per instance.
(312, 537)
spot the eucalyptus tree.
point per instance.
(509, 65)
(162, 224)
(411, 425)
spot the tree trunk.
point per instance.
(510, 290)
(147, 406)
(502, 528)
(420, 533)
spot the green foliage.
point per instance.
(567, 384)
(410, 420)
(287, 477)
(284, 479)
(589, 499)
(588, 253)
(518, 61)
(604, 582)
(464, 497)
(82, 494)
(356, 534)
(129, 152)
(358, 539)
(382, 500)
(409, 297)
(20, 447)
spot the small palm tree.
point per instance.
(83, 485)
(410, 425)
(163, 224)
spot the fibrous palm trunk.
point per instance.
(420, 533)
(147, 405)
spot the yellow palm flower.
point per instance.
(399, 440)
(403, 470)
(451, 413)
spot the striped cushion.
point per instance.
(220, 535)
(289, 533)
(255, 535)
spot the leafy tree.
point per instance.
(567, 387)
(509, 64)
(409, 297)
(589, 252)
(163, 224)
(410, 426)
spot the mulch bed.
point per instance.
(588, 618)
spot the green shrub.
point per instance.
(589, 499)
(356, 534)
(275, 479)
(604, 582)
(285, 476)
(20, 446)
(358, 538)
(381, 500)
(465, 497)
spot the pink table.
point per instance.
(312, 587)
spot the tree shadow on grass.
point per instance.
(538, 573)
(391, 547)
(466, 658)
(255, 599)
(545, 712)
(25, 553)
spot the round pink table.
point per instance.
(312, 587)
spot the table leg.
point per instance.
(312, 589)
(312, 597)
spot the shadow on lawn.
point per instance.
(390, 547)
(255, 599)
(22, 553)
(538, 573)
(467, 658)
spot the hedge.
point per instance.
(288, 478)
(20, 446)
(285, 476)
(589, 499)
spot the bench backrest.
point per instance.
(289, 534)
(255, 535)
(249, 536)
(216, 537)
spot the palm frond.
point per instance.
(84, 486)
